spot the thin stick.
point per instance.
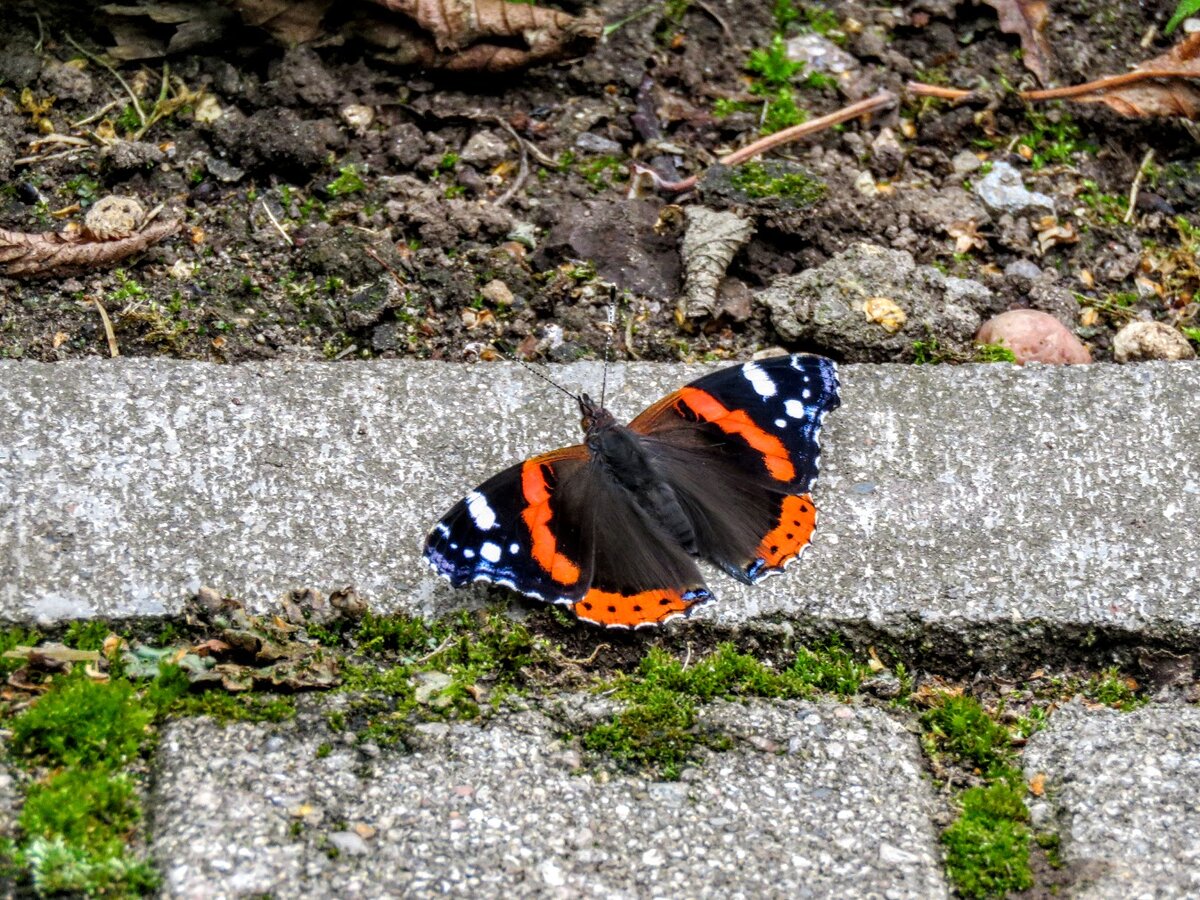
(1104, 84)
(274, 221)
(27, 160)
(113, 350)
(523, 169)
(770, 142)
(1137, 184)
(137, 106)
(370, 251)
(1100, 85)
(587, 660)
(100, 113)
(434, 652)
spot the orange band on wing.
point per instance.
(797, 520)
(775, 454)
(630, 610)
(537, 515)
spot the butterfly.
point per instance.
(722, 469)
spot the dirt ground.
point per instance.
(334, 205)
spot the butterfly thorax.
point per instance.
(622, 455)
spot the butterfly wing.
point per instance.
(740, 449)
(557, 529)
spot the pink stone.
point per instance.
(1033, 336)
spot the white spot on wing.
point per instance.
(481, 514)
(442, 529)
(490, 552)
(759, 380)
(514, 547)
(469, 553)
(794, 408)
(781, 423)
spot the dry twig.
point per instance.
(871, 104)
(113, 350)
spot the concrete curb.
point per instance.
(992, 506)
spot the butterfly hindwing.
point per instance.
(740, 448)
(556, 529)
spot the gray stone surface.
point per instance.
(990, 502)
(871, 302)
(1121, 792)
(1004, 192)
(815, 800)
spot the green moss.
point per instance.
(756, 180)
(1052, 139)
(987, 847)
(80, 722)
(1113, 689)
(959, 726)
(347, 182)
(602, 171)
(223, 707)
(86, 634)
(994, 353)
(657, 730)
(86, 807)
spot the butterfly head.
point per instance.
(593, 416)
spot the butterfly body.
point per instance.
(720, 470)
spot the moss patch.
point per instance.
(987, 846)
(657, 730)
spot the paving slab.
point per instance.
(815, 800)
(1121, 793)
(1005, 506)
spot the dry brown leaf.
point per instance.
(966, 236)
(290, 21)
(1172, 95)
(1037, 784)
(1027, 20)
(71, 251)
(459, 35)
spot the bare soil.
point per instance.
(336, 206)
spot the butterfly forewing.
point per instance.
(508, 531)
(740, 447)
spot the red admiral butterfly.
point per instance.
(721, 469)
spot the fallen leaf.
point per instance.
(1050, 233)
(71, 251)
(1037, 784)
(710, 243)
(459, 35)
(966, 236)
(885, 312)
(1168, 94)
(1027, 20)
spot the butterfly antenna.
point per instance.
(612, 324)
(546, 378)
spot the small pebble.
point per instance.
(1150, 340)
(1033, 336)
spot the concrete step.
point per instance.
(813, 800)
(1121, 794)
(989, 510)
